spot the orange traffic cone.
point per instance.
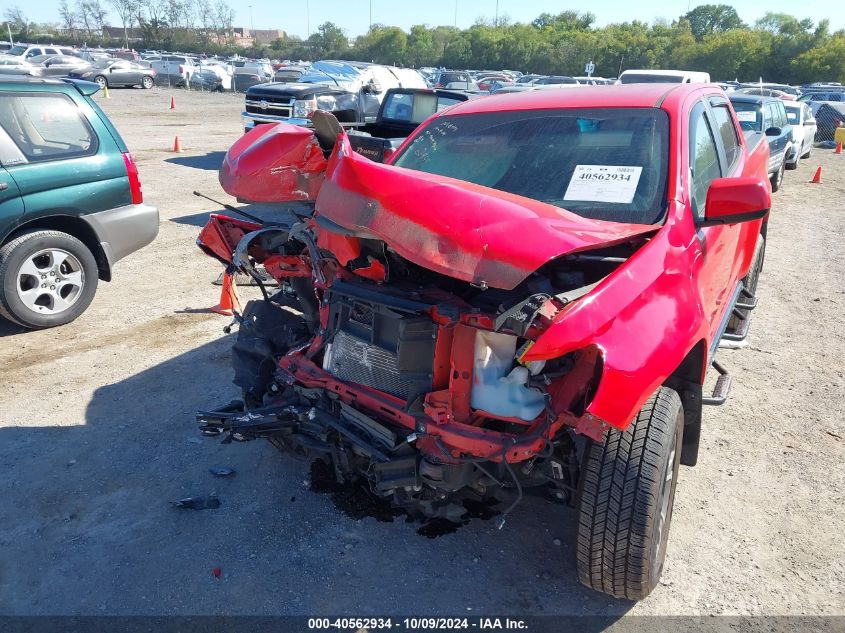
(228, 296)
(838, 148)
(817, 179)
(177, 146)
(172, 103)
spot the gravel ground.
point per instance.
(97, 435)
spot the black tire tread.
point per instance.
(619, 487)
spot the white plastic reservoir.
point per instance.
(496, 388)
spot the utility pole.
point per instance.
(456, 13)
(251, 24)
(307, 20)
(497, 13)
(371, 15)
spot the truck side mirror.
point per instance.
(733, 200)
(773, 131)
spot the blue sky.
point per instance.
(353, 15)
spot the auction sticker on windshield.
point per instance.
(603, 183)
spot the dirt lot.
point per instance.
(97, 435)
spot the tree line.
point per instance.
(711, 38)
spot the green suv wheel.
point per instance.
(47, 278)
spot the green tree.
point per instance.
(707, 19)
(329, 41)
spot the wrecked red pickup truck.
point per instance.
(525, 301)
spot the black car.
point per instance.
(206, 80)
(116, 72)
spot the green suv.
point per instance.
(70, 200)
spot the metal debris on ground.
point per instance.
(221, 471)
(197, 503)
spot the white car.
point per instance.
(221, 69)
(24, 52)
(174, 69)
(17, 66)
(663, 77)
(800, 117)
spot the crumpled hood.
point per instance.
(466, 231)
(274, 163)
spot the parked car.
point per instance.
(662, 76)
(289, 74)
(58, 65)
(221, 69)
(486, 82)
(24, 52)
(352, 90)
(435, 359)
(819, 96)
(116, 72)
(830, 117)
(206, 79)
(174, 70)
(553, 80)
(71, 204)
(245, 77)
(768, 115)
(17, 66)
(803, 124)
(767, 92)
(445, 77)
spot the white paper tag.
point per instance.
(603, 183)
(746, 116)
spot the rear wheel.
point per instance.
(750, 281)
(777, 179)
(47, 278)
(147, 83)
(625, 500)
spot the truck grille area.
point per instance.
(354, 360)
(388, 346)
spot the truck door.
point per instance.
(708, 161)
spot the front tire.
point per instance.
(47, 278)
(147, 83)
(101, 81)
(625, 500)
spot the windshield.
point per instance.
(642, 78)
(601, 163)
(103, 63)
(749, 115)
(340, 73)
(16, 50)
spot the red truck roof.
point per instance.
(617, 96)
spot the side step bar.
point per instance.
(745, 303)
(722, 387)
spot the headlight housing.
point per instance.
(303, 107)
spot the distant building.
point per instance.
(247, 37)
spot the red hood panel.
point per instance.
(274, 163)
(453, 227)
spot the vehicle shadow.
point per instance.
(88, 527)
(208, 162)
(7, 328)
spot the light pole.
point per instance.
(251, 24)
(307, 20)
(456, 13)
(371, 15)
(497, 13)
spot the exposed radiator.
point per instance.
(352, 359)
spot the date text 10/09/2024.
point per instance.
(417, 624)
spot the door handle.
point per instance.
(3, 186)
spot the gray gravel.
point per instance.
(97, 437)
